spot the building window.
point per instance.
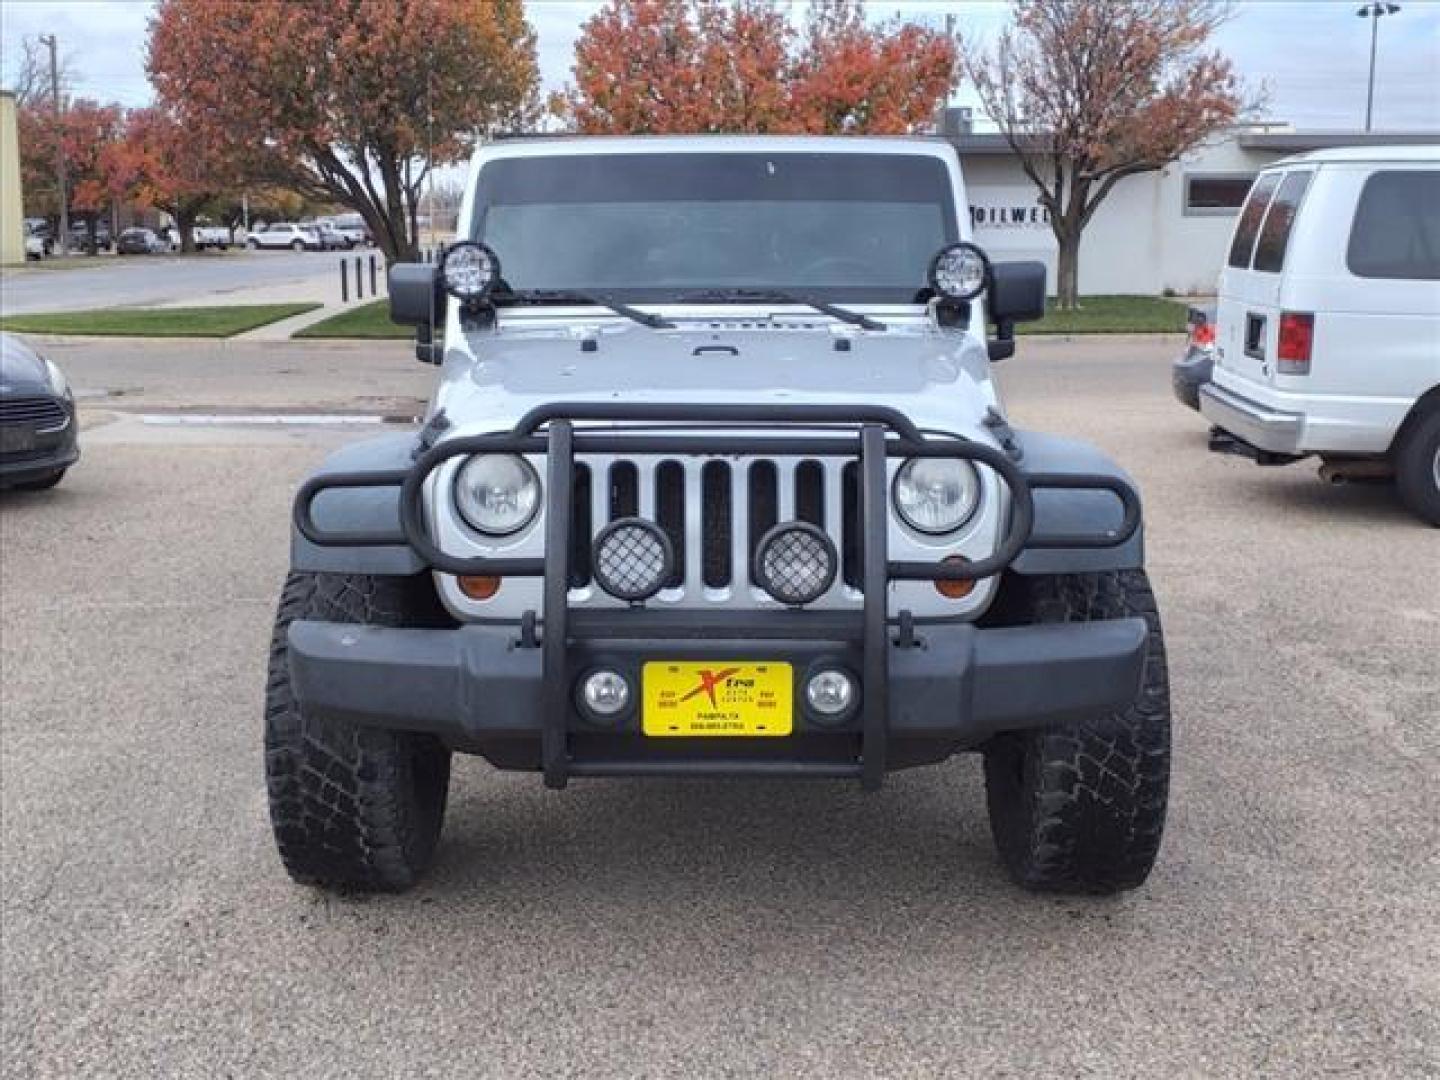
(1216, 194)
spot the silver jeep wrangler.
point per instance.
(716, 482)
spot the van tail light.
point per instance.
(1297, 336)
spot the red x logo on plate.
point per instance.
(708, 681)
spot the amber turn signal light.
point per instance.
(955, 590)
(477, 587)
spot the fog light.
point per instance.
(795, 563)
(605, 693)
(632, 559)
(830, 693)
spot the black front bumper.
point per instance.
(51, 452)
(949, 687)
(953, 685)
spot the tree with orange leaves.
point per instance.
(1088, 92)
(89, 131)
(158, 164)
(661, 66)
(346, 101)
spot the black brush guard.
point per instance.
(868, 433)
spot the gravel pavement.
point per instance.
(664, 928)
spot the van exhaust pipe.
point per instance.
(1356, 470)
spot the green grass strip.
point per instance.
(204, 322)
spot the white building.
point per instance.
(1155, 232)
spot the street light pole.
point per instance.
(1373, 11)
(63, 240)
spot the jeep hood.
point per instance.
(938, 379)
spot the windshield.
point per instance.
(843, 227)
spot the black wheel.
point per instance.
(1417, 467)
(1080, 808)
(354, 808)
(44, 483)
(253, 245)
(297, 245)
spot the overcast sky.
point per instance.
(1311, 55)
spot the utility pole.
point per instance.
(1373, 11)
(63, 239)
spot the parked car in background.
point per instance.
(211, 236)
(137, 241)
(353, 227)
(1191, 369)
(285, 234)
(331, 238)
(37, 418)
(1327, 339)
(80, 236)
(38, 239)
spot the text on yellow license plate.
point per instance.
(719, 698)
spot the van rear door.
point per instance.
(1248, 309)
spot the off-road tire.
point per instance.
(353, 808)
(1417, 467)
(45, 483)
(1080, 808)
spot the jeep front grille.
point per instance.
(715, 511)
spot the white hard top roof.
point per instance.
(544, 146)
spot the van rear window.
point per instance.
(1248, 227)
(1396, 233)
(1275, 233)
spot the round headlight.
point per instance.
(936, 495)
(469, 270)
(498, 494)
(960, 272)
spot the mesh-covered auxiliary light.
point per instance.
(795, 563)
(632, 559)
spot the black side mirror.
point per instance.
(1017, 294)
(415, 300)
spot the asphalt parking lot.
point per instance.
(668, 928)
(204, 278)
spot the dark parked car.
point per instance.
(1191, 370)
(37, 418)
(80, 237)
(140, 242)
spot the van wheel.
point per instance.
(354, 808)
(1080, 808)
(1417, 468)
(253, 245)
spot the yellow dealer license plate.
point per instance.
(719, 698)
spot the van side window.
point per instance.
(1275, 233)
(1248, 227)
(1396, 233)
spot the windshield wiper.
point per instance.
(780, 296)
(569, 296)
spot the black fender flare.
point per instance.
(360, 509)
(1086, 510)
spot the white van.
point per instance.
(1328, 320)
